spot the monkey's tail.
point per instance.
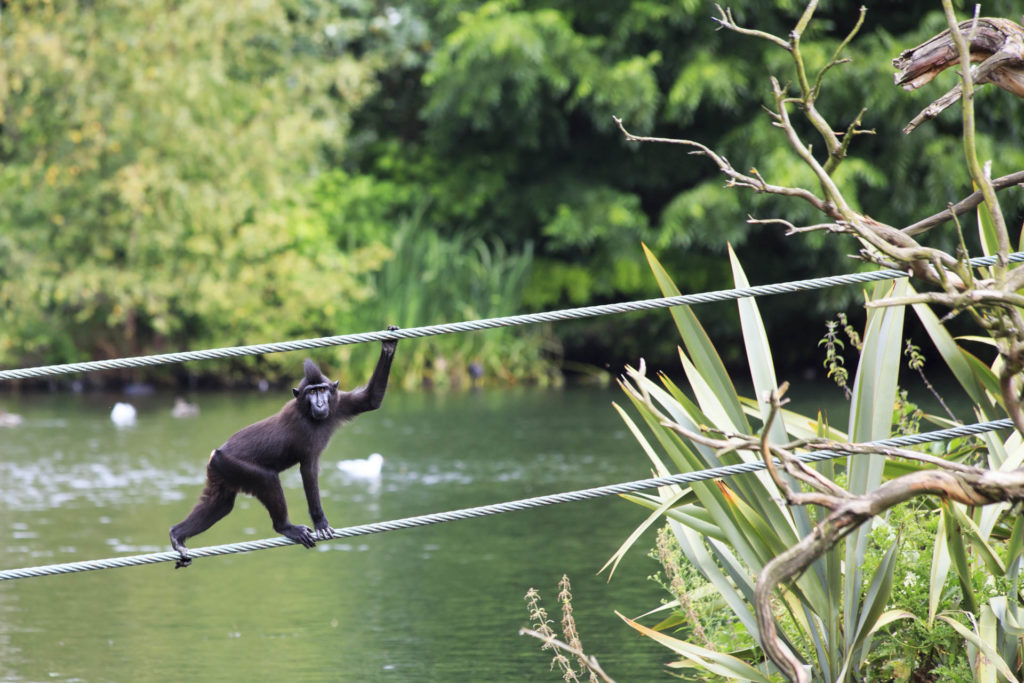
(216, 482)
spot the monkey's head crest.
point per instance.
(313, 374)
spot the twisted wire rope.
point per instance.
(474, 325)
(495, 508)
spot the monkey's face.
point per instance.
(315, 399)
(319, 401)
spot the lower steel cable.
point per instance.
(493, 509)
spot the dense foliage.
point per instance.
(197, 174)
(502, 123)
(153, 171)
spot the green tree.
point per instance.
(496, 119)
(153, 160)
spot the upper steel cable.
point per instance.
(472, 325)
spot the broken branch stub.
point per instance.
(987, 36)
(996, 46)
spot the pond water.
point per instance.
(439, 603)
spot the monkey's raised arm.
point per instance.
(370, 396)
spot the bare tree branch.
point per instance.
(735, 178)
(969, 203)
(981, 488)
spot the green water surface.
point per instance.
(441, 603)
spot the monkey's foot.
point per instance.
(324, 534)
(299, 534)
(177, 543)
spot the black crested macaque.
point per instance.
(252, 458)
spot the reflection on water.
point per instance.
(436, 603)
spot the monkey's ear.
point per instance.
(335, 385)
(295, 393)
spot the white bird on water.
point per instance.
(183, 408)
(10, 419)
(123, 414)
(365, 468)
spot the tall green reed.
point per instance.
(433, 279)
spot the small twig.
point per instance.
(916, 362)
(886, 239)
(963, 255)
(793, 229)
(592, 664)
(721, 446)
(906, 454)
(812, 478)
(725, 20)
(827, 491)
(851, 131)
(839, 50)
(1011, 397)
(891, 242)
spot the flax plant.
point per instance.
(729, 530)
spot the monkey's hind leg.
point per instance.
(214, 504)
(265, 485)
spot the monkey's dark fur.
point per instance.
(252, 458)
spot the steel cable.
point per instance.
(474, 325)
(493, 509)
